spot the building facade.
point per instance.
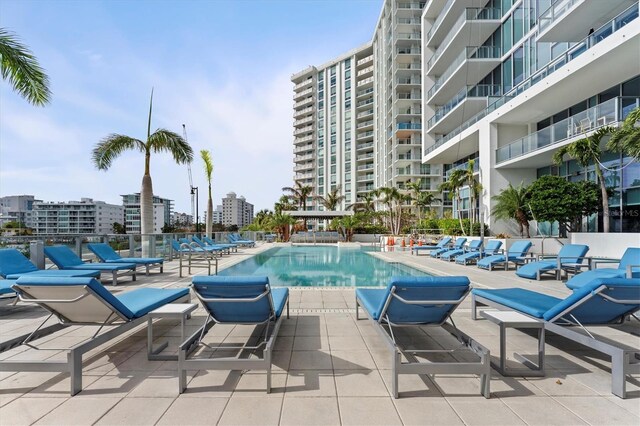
(181, 219)
(357, 118)
(508, 82)
(162, 210)
(236, 211)
(18, 208)
(76, 217)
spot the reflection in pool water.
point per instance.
(321, 266)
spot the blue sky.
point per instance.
(222, 68)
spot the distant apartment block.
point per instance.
(236, 211)
(76, 217)
(181, 219)
(18, 208)
(358, 117)
(162, 209)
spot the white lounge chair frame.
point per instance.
(196, 259)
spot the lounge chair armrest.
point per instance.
(629, 270)
(605, 260)
(30, 300)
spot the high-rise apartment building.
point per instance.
(17, 208)
(357, 118)
(162, 209)
(76, 217)
(236, 211)
(508, 82)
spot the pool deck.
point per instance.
(329, 369)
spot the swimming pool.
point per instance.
(321, 266)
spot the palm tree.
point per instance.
(453, 184)
(415, 189)
(393, 199)
(109, 148)
(365, 203)
(21, 69)
(283, 204)
(281, 223)
(511, 204)
(332, 200)
(425, 199)
(208, 170)
(299, 194)
(474, 189)
(626, 138)
(586, 151)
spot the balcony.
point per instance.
(468, 102)
(364, 60)
(365, 82)
(368, 166)
(409, 50)
(411, 110)
(304, 139)
(568, 20)
(364, 92)
(409, 81)
(409, 36)
(303, 130)
(365, 71)
(409, 141)
(365, 124)
(365, 135)
(469, 68)
(301, 167)
(365, 188)
(303, 84)
(364, 103)
(365, 113)
(303, 158)
(302, 121)
(302, 176)
(415, 95)
(472, 28)
(444, 20)
(464, 166)
(303, 111)
(298, 95)
(409, 6)
(303, 148)
(306, 101)
(544, 142)
(411, 66)
(364, 146)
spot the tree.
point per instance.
(283, 204)
(393, 200)
(208, 170)
(281, 223)
(332, 200)
(299, 194)
(553, 198)
(162, 140)
(586, 151)
(118, 228)
(21, 69)
(511, 203)
(626, 139)
(474, 188)
(365, 203)
(348, 224)
(453, 184)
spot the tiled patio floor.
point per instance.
(329, 368)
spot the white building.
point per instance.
(181, 219)
(508, 82)
(162, 209)
(357, 118)
(236, 211)
(76, 217)
(17, 208)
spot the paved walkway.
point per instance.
(329, 369)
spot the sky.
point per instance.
(222, 68)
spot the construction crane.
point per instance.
(193, 189)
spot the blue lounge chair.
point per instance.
(200, 249)
(492, 248)
(209, 241)
(223, 248)
(516, 254)
(420, 301)
(628, 266)
(64, 258)
(235, 300)
(107, 254)
(569, 258)
(603, 301)
(237, 239)
(443, 243)
(458, 245)
(79, 302)
(7, 293)
(194, 258)
(474, 246)
(14, 265)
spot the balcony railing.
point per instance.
(417, 6)
(365, 81)
(409, 80)
(365, 102)
(471, 14)
(297, 95)
(365, 135)
(601, 115)
(478, 91)
(365, 70)
(471, 52)
(409, 126)
(365, 166)
(363, 146)
(364, 60)
(408, 51)
(303, 111)
(364, 113)
(408, 36)
(556, 10)
(464, 166)
(364, 92)
(438, 21)
(628, 15)
(410, 66)
(303, 83)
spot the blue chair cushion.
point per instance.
(131, 305)
(14, 262)
(239, 287)
(631, 256)
(451, 253)
(521, 300)
(138, 260)
(108, 267)
(57, 273)
(519, 249)
(486, 262)
(530, 270)
(573, 253)
(579, 280)
(64, 258)
(415, 288)
(5, 287)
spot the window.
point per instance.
(333, 90)
(333, 100)
(347, 74)
(518, 66)
(507, 40)
(333, 169)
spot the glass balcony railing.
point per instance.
(624, 18)
(409, 126)
(601, 115)
(464, 166)
(471, 52)
(554, 12)
(478, 91)
(471, 13)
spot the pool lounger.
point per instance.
(516, 255)
(81, 302)
(474, 246)
(460, 242)
(14, 265)
(106, 254)
(235, 300)
(441, 244)
(570, 258)
(492, 248)
(416, 302)
(64, 258)
(189, 258)
(606, 301)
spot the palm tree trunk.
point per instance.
(605, 200)
(459, 200)
(146, 215)
(209, 226)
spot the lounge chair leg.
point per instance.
(161, 268)
(134, 275)
(395, 363)
(114, 278)
(147, 270)
(357, 310)
(474, 312)
(618, 373)
(74, 360)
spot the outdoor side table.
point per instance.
(172, 310)
(511, 319)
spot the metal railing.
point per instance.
(477, 91)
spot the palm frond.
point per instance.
(208, 163)
(163, 140)
(21, 69)
(109, 148)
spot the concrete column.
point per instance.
(36, 250)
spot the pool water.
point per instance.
(321, 266)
